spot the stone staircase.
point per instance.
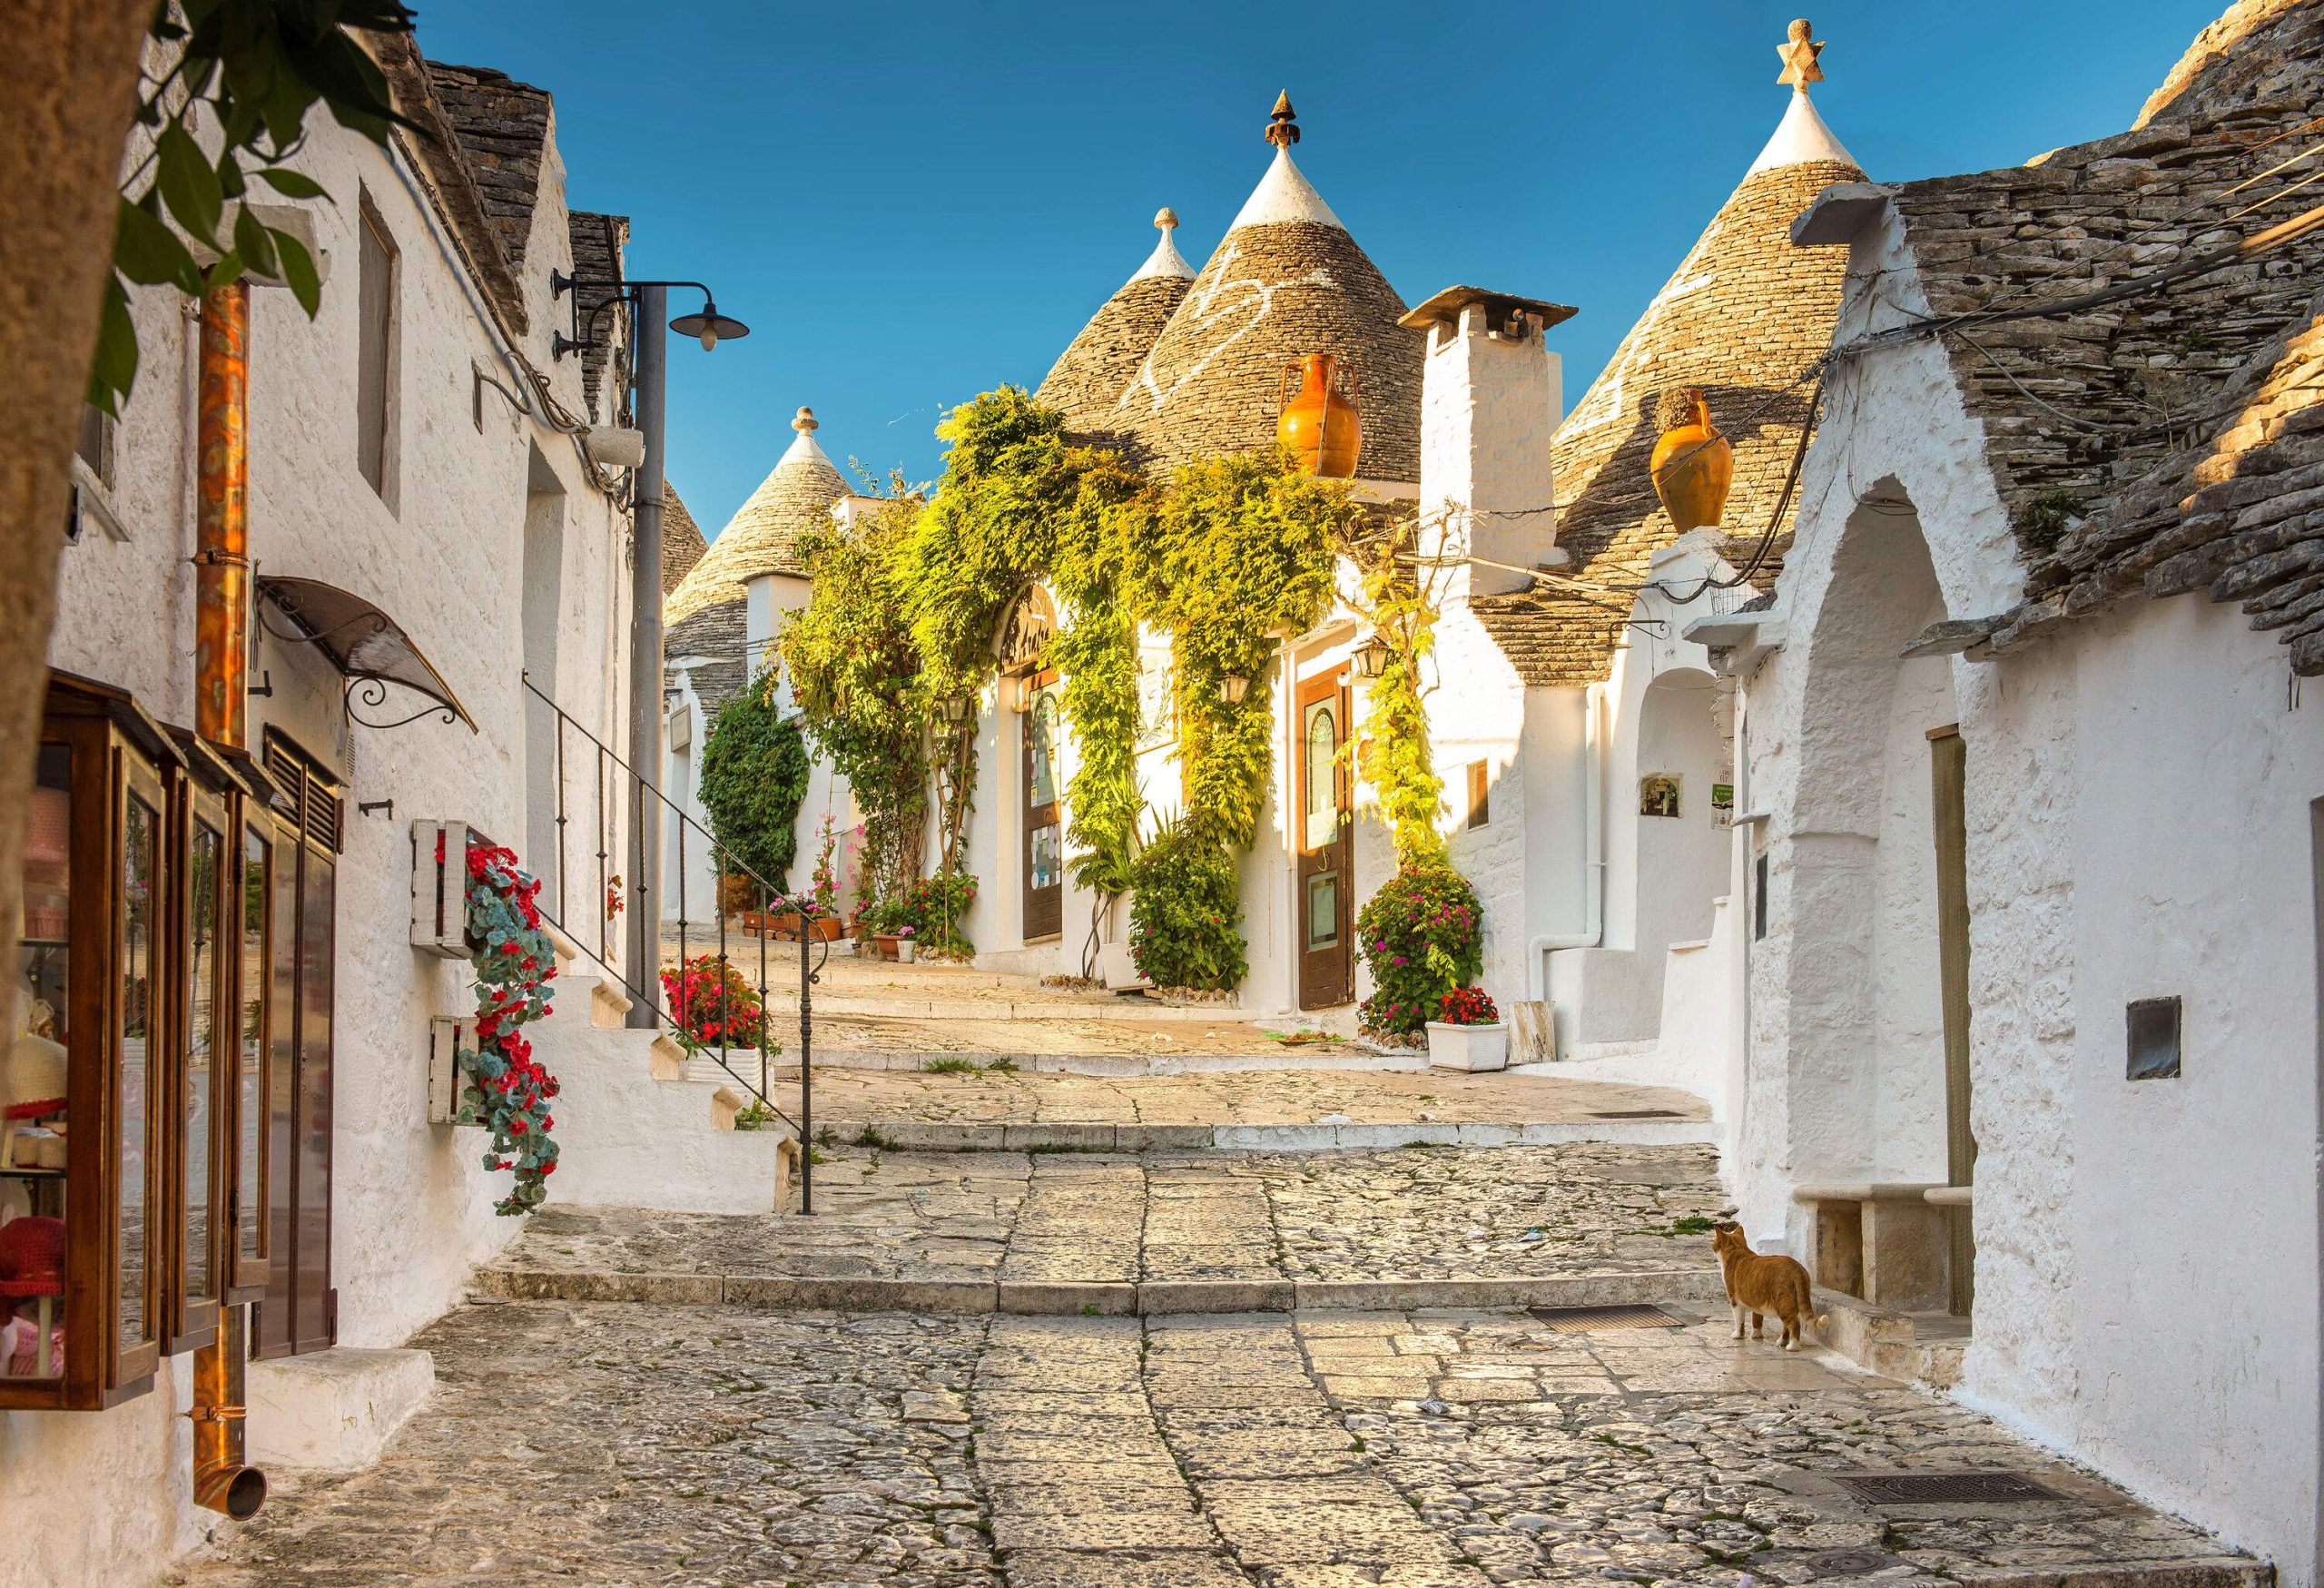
(638, 1124)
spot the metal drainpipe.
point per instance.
(223, 1480)
(222, 517)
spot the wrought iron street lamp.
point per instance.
(649, 303)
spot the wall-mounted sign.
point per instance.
(1722, 805)
(1658, 794)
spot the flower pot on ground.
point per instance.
(905, 949)
(884, 944)
(1470, 1034)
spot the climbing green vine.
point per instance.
(1394, 756)
(855, 674)
(1226, 559)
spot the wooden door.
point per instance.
(1044, 806)
(1948, 767)
(1326, 831)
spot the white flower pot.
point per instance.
(905, 949)
(1468, 1047)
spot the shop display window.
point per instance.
(121, 1078)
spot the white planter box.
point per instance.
(446, 1037)
(906, 951)
(439, 888)
(1468, 1047)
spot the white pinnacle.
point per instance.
(1283, 194)
(1800, 138)
(1166, 261)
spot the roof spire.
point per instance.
(1800, 67)
(1283, 131)
(806, 421)
(1165, 260)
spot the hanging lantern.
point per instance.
(1233, 687)
(1371, 657)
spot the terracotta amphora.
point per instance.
(1693, 464)
(1321, 425)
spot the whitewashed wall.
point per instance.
(2138, 825)
(412, 1211)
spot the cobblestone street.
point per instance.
(975, 1220)
(617, 1444)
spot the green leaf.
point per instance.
(292, 184)
(254, 241)
(298, 271)
(112, 372)
(230, 175)
(149, 253)
(228, 268)
(188, 185)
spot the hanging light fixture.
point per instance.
(1233, 686)
(1371, 657)
(956, 707)
(709, 325)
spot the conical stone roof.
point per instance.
(763, 536)
(1286, 279)
(1742, 317)
(1096, 364)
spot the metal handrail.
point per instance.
(645, 986)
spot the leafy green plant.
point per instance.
(1421, 936)
(1186, 910)
(1237, 553)
(856, 676)
(1395, 755)
(931, 910)
(754, 780)
(243, 75)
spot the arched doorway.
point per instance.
(1878, 1015)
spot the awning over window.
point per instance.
(358, 639)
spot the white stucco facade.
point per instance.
(443, 550)
(2138, 825)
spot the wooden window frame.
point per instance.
(115, 750)
(189, 1322)
(247, 1270)
(1480, 794)
(377, 429)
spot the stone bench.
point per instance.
(1885, 1242)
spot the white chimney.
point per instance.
(1490, 402)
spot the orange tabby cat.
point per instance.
(1761, 1284)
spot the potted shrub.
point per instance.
(1467, 1033)
(905, 946)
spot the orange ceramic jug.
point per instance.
(1693, 464)
(1321, 425)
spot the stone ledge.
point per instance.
(1067, 1135)
(1110, 1298)
(334, 1410)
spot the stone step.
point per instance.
(1049, 1297)
(1263, 1056)
(609, 1005)
(1919, 1348)
(1065, 1136)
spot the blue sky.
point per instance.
(912, 203)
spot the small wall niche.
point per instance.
(2153, 1028)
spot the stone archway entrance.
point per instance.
(1878, 985)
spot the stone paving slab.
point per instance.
(980, 1231)
(1308, 1110)
(613, 1444)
